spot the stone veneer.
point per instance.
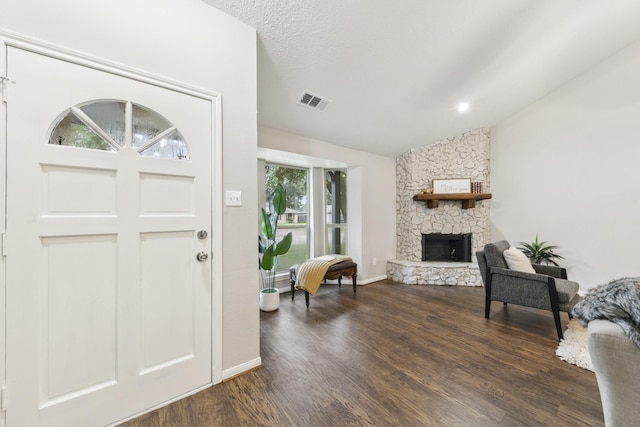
(434, 273)
(462, 156)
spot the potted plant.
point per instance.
(270, 249)
(539, 252)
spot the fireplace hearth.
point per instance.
(446, 247)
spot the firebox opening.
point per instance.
(446, 247)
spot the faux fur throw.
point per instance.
(618, 302)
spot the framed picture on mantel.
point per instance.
(451, 186)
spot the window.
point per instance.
(336, 211)
(316, 212)
(294, 181)
(102, 125)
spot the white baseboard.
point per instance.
(373, 279)
(243, 367)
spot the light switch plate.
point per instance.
(233, 198)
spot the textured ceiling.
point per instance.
(395, 70)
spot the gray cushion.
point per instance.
(566, 290)
(493, 252)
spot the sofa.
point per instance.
(616, 360)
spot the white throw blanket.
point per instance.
(310, 273)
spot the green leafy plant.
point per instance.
(540, 252)
(268, 245)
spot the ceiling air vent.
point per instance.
(313, 101)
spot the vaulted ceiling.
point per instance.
(394, 71)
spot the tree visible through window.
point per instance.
(336, 209)
(102, 125)
(295, 218)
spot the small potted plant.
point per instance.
(270, 249)
(539, 252)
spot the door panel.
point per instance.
(166, 297)
(179, 197)
(80, 339)
(68, 191)
(108, 310)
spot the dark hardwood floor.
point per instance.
(398, 355)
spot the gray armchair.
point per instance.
(548, 289)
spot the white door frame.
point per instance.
(13, 40)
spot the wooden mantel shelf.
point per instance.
(468, 199)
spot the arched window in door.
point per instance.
(115, 125)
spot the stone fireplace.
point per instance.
(462, 156)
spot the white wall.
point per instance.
(371, 197)
(567, 169)
(189, 42)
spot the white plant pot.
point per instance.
(269, 301)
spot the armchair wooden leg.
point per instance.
(293, 289)
(306, 298)
(555, 306)
(556, 317)
(487, 307)
(487, 296)
(354, 280)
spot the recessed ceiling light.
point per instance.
(462, 107)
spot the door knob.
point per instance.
(202, 256)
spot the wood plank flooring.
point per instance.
(398, 355)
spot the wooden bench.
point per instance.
(336, 271)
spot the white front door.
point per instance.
(108, 307)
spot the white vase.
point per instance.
(269, 301)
